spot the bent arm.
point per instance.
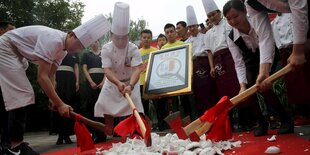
(46, 79)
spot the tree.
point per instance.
(60, 14)
(135, 29)
(17, 11)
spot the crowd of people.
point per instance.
(235, 49)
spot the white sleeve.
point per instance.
(299, 10)
(276, 5)
(259, 20)
(207, 41)
(300, 21)
(238, 59)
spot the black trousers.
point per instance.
(16, 124)
(3, 121)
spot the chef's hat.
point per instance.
(191, 16)
(92, 30)
(120, 21)
(209, 6)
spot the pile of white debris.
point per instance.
(169, 144)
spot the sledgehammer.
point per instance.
(198, 128)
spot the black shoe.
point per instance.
(286, 128)
(68, 140)
(60, 140)
(261, 130)
(21, 149)
(4, 146)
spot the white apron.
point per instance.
(16, 89)
(110, 100)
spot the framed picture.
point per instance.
(169, 72)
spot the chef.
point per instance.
(46, 47)
(122, 63)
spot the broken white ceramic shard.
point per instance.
(272, 150)
(187, 152)
(272, 138)
(192, 145)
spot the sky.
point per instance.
(157, 13)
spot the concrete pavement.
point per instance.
(42, 142)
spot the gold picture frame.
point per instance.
(169, 72)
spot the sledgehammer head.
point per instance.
(175, 122)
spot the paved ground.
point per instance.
(42, 142)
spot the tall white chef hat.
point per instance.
(191, 16)
(209, 6)
(120, 21)
(92, 30)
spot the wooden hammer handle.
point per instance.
(96, 125)
(196, 124)
(136, 114)
(240, 97)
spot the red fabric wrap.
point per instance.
(130, 126)
(83, 137)
(125, 127)
(221, 129)
(212, 114)
(218, 115)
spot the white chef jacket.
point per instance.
(282, 30)
(259, 20)
(217, 36)
(198, 44)
(35, 42)
(252, 42)
(299, 11)
(110, 100)
(32, 43)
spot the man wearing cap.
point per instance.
(46, 47)
(203, 83)
(122, 65)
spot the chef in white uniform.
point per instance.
(121, 61)
(46, 47)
